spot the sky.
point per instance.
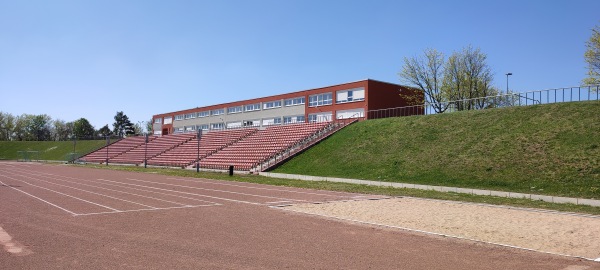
(92, 58)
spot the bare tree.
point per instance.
(426, 74)
(592, 57)
(467, 79)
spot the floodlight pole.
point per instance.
(107, 143)
(507, 74)
(198, 136)
(146, 152)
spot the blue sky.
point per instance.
(92, 58)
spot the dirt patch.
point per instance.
(547, 231)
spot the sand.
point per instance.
(546, 231)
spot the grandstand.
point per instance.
(247, 149)
(115, 149)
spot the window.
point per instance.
(189, 128)
(237, 109)
(178, 117)
(319, 117)
(203, 127)
(217, 112)
(293, 119)
(272, 104)
(157, 120)
(190, 115)
(251, 123)
(179, 130)
(294, 101)
(271, 121)
(217, 125)
(252, 107)
(204, 114)
(354, 113)
(234, 124)
(319, 100)
(356, 94)
(168, 120)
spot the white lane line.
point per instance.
(188, 193)
(12, 246)
(99, 194)
(217, 190)
(121, 186)
(217, 182)
(142, 210)
(104, 206)
(61, 208)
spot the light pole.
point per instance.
(146, 152)
(507, 74)
(199, 136)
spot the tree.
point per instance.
(467, 78)
(82, 129)
(122, 126)
(426, 74)
(37, 127)
(592, 58)
(149, 126)
(61, 131)
(7, 124)
(104, 131)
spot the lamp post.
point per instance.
(198, 154)
(507, 74)
(146, 152)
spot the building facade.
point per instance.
(342, 101)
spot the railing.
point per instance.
(549, 96)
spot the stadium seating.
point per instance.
(114, 149)
(187, 153)
(247, 149)
(155, 146)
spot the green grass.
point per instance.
(363, 189)
(48, 150)
(545, 149)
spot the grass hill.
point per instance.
(47, 150)
(543, 149)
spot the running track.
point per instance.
(64, 217)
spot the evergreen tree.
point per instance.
(122, 126)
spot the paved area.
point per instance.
(62, 217)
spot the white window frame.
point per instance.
(179, 117)
(345, 96)
(217, 112)
(323, 99)
(234, 110)
(217, 126)
(158, 121)
(253, 107)
(294, 101)
(204, 114)
(272, 105)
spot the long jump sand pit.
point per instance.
(546, 231)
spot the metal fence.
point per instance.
(548, 96)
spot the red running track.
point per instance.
(65, 217)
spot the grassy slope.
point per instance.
(47, 150)
(545, 149)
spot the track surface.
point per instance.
(62, 217)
